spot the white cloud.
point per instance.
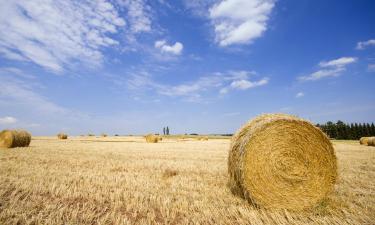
(38, 112)
(240, 21)
(300, 95)
(66, 33)
(217, 82)
(139, 15)
(16, 92)
(175, 49)
(331, 68)
(371, 67)
(7, 120)
(364, 44)
(246, 84)
(340, 62)
(15, 71)
(199, 7)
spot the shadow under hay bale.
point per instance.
(282, 162)
(14, 138)
(62, 136)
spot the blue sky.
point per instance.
(134, 66)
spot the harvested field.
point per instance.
(124, 180)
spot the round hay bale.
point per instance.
(62, 136)
(282, 162)
(371, 141)
(363, 140)
(14, 138)
(104, 135)
(151, 138)
(160, 139)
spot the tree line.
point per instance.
(345, 131)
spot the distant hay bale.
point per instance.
(371, 141)
(282, 162)
(363, 140)
(160, 138)
(104, 135)
(152, 138)
(202, 138)
(62, 136)
(14, 138)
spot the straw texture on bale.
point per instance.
(279, 161)
(62, 136)
(152, 138)
(363, 140)
(371, 141)
(14, 138)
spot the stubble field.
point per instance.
(124, 180)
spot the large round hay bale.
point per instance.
(14, 138)
(363, 140)
(62, 136)
(282, 162)
(371, 141)
(152, 138)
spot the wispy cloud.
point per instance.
(66, 33)
(340, 62)
(16, 72)
(139, 15)
(193, 90)
(199, 7)
(371, 67)
(174, 49)
(300, 95)
(331, 68)
(364, 44)
(53, 34)
(240, 21)
(17, 92)
(7, 120)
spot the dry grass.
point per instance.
(123, 182)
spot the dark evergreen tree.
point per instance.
(167, 130)
(368, 129)
(353, 134)
(372, 129)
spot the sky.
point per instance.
(197, 66)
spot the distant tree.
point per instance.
(352, 132)
(164, 130)
(368, 129)
(372, 129)
(167, 130)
